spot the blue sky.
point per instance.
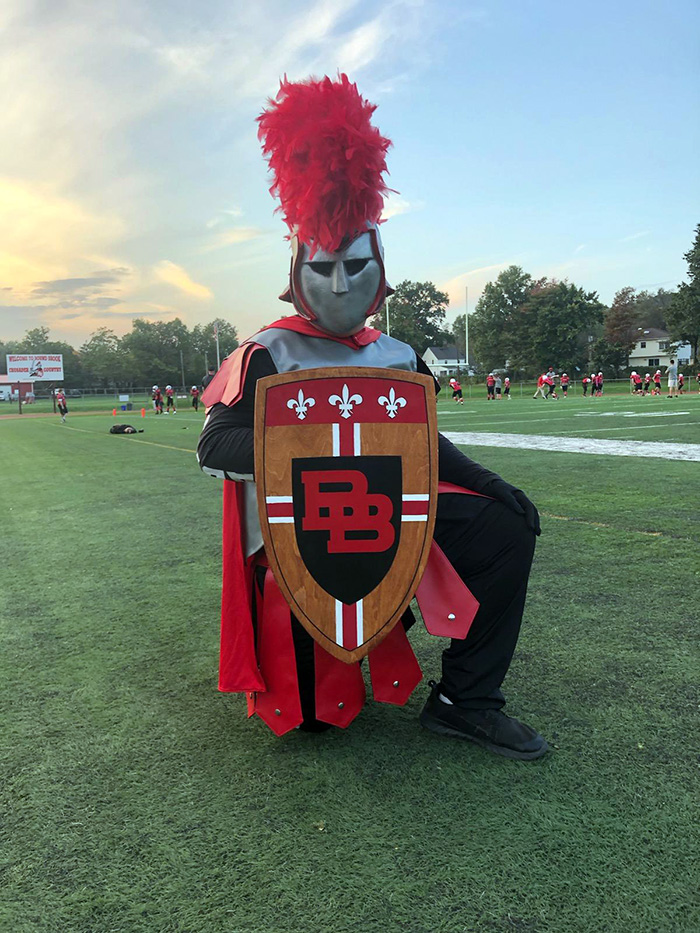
(561, 137)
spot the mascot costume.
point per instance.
(328, 162)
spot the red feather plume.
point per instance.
(327, 160)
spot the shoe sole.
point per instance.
(435, 725)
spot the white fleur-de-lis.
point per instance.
(346, 403)
(392, 403)
(301, 404)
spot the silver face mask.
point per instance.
(338, 291)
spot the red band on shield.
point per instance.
(337, 501)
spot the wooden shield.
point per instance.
(346, 471)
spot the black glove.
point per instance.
(515, 499)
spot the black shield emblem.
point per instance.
(347, 519)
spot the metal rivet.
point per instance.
(396, 683)
(278, 712)
(451, 616)
(341, 705)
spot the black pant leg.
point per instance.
(491, 548)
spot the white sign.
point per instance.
(123, 398)
(35, 367)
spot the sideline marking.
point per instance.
(578, 445)
(585, 521)
(632, 427)
(134, 440)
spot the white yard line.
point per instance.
(577, 445)
(631, 427)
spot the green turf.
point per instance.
(136, 798)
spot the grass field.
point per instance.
(136, 798)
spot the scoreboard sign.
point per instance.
(35, 367)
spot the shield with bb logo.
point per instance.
(346, 471)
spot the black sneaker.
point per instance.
(489, 728)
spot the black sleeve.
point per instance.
(454, 466)
(226, 442)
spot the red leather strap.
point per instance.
(394, 669)
(340, 689)
(279, 706)
(447, 605)
(460, 490)
(238, 665)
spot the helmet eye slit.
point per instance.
(322, 268)
(353, 266)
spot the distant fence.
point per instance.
(473, 387)
(138, 393)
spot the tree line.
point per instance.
(525, 325)
(149, 353)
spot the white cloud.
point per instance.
(232, 237)
(475, 280)
(122, 117)
(394, 205)
(178, 277)
(635, 236)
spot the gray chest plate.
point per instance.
(291, 351)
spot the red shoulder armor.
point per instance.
(227, 384)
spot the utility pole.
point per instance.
(466, 327)
(388, 327)
(218, 355)
(182, 370)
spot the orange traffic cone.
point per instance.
(143, 412)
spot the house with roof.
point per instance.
(444, 361)
(654, 348)
(10, 386)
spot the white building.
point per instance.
(444, 361)
(656, 349)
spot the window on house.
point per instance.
(663, 344)
(642, 344)
(654, 361)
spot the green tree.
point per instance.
(652, 308)
(153, 351)
(683, 316)
(494, 327)
(553, 326)
(104, 359)
(416, 315)
(608, 357)
(204, 345)
(6, 346)
(621, 325)
(457, 335)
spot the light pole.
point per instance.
(388, 327)
(466, 328)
